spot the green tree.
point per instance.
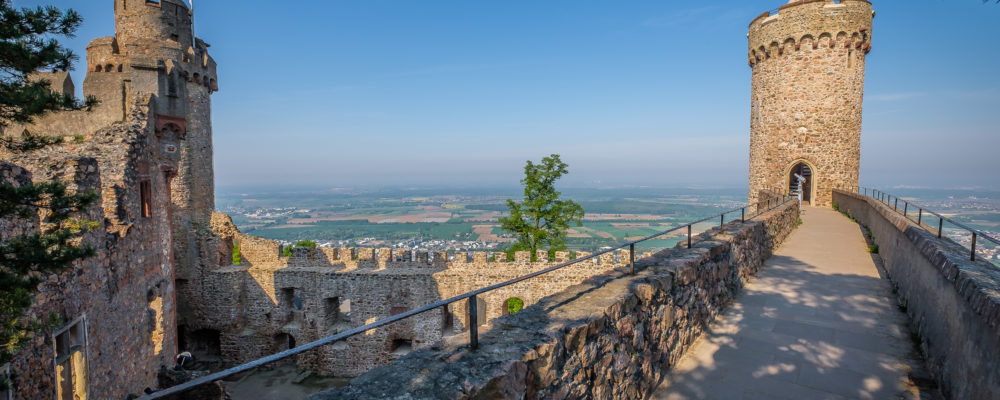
(27, 45)
(541, 219)
(25, 260)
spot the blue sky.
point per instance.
(655, 93)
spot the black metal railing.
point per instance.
(920, 215)
(759, 208)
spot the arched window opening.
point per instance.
(401, 346)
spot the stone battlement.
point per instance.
(271, 300)
(810, 25)
(267, 254)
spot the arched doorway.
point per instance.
(803, 169)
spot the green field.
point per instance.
(304, 215)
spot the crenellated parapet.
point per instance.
(314, 292)
(268, 254)
(810, 25)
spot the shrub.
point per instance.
(306, 243)
(514, 305)
(236, 253)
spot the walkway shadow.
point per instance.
(798, 333)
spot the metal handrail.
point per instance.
(473, 327)
(891, 200)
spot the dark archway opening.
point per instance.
(282, 342)
(803, 170)
(205, 346)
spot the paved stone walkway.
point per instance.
(817, 323)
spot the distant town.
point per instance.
(466, 220)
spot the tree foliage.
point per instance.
(306, 243)
(287, 250)
(541, 219)
(27, 45)
(237, 259)
(26, 259)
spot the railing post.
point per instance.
(689, 236)
(473, 323)
(940, 225)
(631, 257)
(722, 220)
(973, 256)
(920, 217)
(743, 215)
(906, 208)
(895, 205)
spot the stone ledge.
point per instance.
(953, 302)
(978, 282)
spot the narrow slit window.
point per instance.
(71, 361)
(5, 392)
(146, 196)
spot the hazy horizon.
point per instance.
(389, 93)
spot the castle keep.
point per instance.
(147, 150)
(808, 63)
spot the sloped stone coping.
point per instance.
(953, 302)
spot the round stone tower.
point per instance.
(138, 21)
(808, 63)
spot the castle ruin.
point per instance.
(163, 279)
(808, 63)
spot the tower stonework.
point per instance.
(808, 68)
(146, 149)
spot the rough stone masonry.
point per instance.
(808, 73)
(611, 337)
(146, 149)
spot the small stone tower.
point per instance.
(808, 68)
(144, 22)
(166, 59)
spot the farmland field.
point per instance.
(466, 219)
(460, 219)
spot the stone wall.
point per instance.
(614, 336)
(124, 294)
(252, 309)
(153, 55)
(808, 65)
(953, 303)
